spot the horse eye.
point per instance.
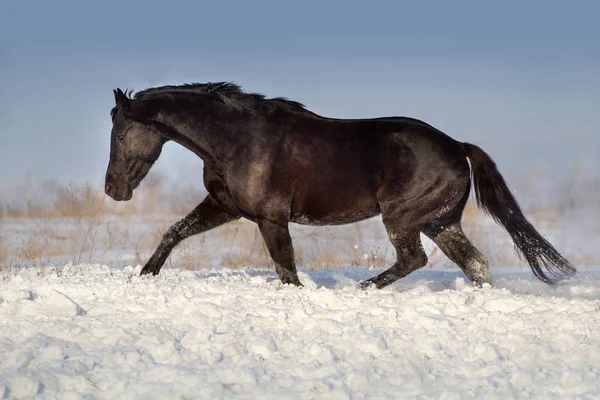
(120, 138)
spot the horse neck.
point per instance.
(206, 132)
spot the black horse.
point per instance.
(272, 161)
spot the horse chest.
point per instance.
(249, 191)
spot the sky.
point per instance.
(519, 79)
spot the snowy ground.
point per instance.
(91, 331)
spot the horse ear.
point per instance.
(121, 99)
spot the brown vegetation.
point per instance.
(79, 224)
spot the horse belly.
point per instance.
(333, 207)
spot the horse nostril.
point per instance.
(110, 189)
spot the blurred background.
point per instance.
(519, 79)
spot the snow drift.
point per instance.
(90, 331)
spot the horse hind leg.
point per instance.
(457, 247)
(410, 256)
(404, 221)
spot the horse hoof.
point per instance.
(366, 285)
(146, 270)
(290, 282)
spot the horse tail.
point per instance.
(495, 198)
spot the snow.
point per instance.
(93, 331)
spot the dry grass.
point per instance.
(79, 224)
(48, 199)
(3, 247)
(245, 246)
(355, 244)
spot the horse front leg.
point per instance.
(207, 215)
(278, 241)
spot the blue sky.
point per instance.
(520, 79)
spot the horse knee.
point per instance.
(171, 237)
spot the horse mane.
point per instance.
(228, 92)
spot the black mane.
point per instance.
(228, 92)
(223, 88)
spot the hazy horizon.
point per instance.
(520, 80)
